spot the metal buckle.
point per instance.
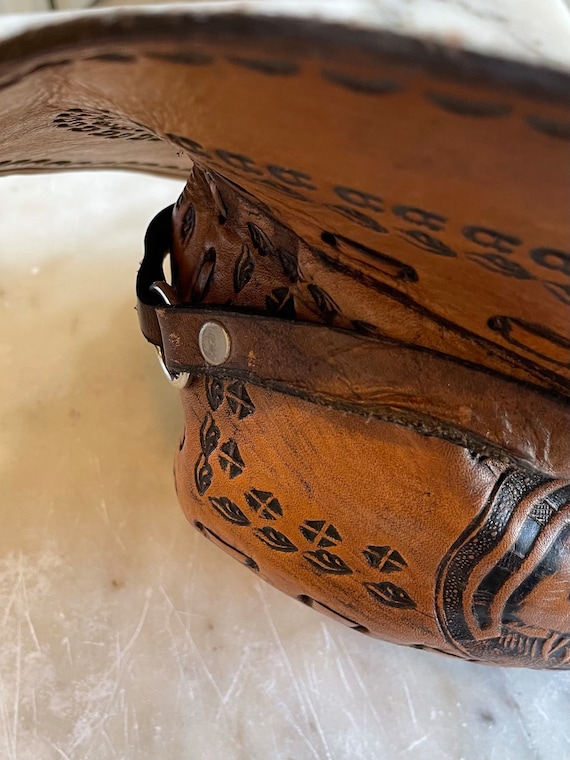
(176, 379)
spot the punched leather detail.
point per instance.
(400, 490)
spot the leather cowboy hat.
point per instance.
(369, 310)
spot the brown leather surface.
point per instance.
(374, 377)
(408, 494)
(344, 363)
(405, 198)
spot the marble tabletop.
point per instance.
(123, 633)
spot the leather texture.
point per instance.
(382, 227)
(337, 463)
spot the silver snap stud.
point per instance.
(214, 343)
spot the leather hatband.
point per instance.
(435, 394)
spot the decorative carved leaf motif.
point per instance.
(203, 276)
(217, 198)
(391, 595)
(265, 503)
(328, 562)
(271, 67)
(260, 241)
(464, 107)
(384, 558)
(214, 392)
(203, 474)
(103, 123)
(326, 533)
(365, 328)
(188, 223)
(324, 302)
(495, 262)
(366, 86)
(281, 304)
(557, 129)
(244, 268)
(209, 435)
(229, 510)
(357, 216)
(289, 264)
(429, 243)
(559, 291)
(239, 400)
(275, 540)
(231, 462)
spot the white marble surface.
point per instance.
(123, 633)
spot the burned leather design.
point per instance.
(411, 538)
(396, 196)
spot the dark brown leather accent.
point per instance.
(378, 378)
(355, 191)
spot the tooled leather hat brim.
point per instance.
(452, 162)
(415, 198)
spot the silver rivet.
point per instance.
(214, 343)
